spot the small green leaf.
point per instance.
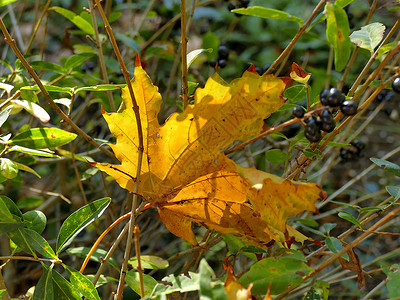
(369, 209)
(393, 282)
(8, 168)
(369, 36)
(268, 13)
(25, 150)
(76, 60)
(63, 290)
(39, 138)
(19, 238)
(101, 88)
(275, 156)
(49, 88)
(8, 221)
(389, 166)
(4, 114)
(393, 191)
(181, 284)
(149, 262)
(35, 220)
(82, 284)
(328, 227)
(308, 222)
(80, 22)
(25, 168)
(44, 288)
(77, 221)
(383, 50)
(5, 2)
(102, 279)
(32, 108)
(38, 243)
(29, 202)
(336, 246)
(349, 217)
(191, 56)
(337, 33)
(295, 93)
(97, 255)
(131, 43)
(132, 279)
(46, 66)
(279, 273)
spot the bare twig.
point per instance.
(184, 41)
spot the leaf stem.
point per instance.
(58, 110)
(135, 108)
(98, 45)
(139, 268)
(184, 41)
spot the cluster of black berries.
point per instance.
(223, 55)
(333, 97)
(350, 16)
(238, 4)
(353, 151)
(263, 70)
(88, 67)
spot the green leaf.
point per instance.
(77, 221)
(387, 165)
(5, 2)
(210, 40)
(12, 207)
(328, 227)
(181, 284)
(209, 290)
(131, 43)
(76, 60)
(49, 88)
(275, 156)
(383, 50)
(102, 279)
(4, 114)
(39, 138)
(149, 262)
(393, 191)
(337, 33)
(308, 222)
(63, 290)
(25, 150)
(19, 238)
(82, 284)
(32, 108)
(80, 22)
(268, 13)
(349, 217)
(336, 246)
(369, 36)
(319, 291)
(44, 288)
(371, 208)
(280, 273)
(393, 282)
(335, 144)
(8, 221)
(25, 168)
(190, 57)
(343, 3)
(295, 93)
(97, 255)
(8, 168)
(38, 243)
(35, 220)
(29, 202)
(47, 66)
(101, 88)
(132, 279)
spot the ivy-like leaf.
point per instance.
(369, 36)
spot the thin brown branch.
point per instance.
(139, 268)
(184, 41)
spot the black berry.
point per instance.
(266, 67)
(298, 112)
(259, 71)
(213, 63)
(222, 63)
(396, 85)
(323, 96)
(335, 97)
(231, 6)
(223, 52)
(312, 127)
(313, 137)
(346, 155)
(359, 145)
(327, 120)
(244, 3)
(328, 127)
(349, 108)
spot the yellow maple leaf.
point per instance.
(186, 174)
